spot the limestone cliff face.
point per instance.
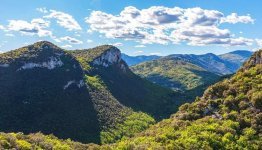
(112, 56)
(109, 57)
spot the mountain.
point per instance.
(209, 62)
(187, 71)
(85, 95)
(175, 73)
(237, 57)
(227, 116)
(133, 60)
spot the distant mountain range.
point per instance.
(223, 64)
(133, 60)
(189, 71)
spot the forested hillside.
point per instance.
(227, 116)
(86, 95)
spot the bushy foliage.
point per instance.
(175, 73)
(38, 141)
(228, 116)
(73, 100)
(132, 124)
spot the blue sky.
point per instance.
(137, 27)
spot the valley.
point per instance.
(91, 96)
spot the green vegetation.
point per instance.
(132, 124)
(176, 74)
(37, 141)
(228, 116)
(94, 82)
(114, 106)
(123, 122)
(74, 100)
(86, 56)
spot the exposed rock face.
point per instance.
(257, 59)
(79, 84)
(51, 64)
(111, 56)
(254, 60)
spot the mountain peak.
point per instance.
(104, 55)
(108, 55)
(241, 52)
(43, 46)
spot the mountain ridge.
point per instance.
(54, 87)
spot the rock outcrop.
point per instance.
(109, 57)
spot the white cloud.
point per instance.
(71, 40)
(67, 46)
(2, 27)
(259, 42)
(56, 39)
(118, 44)
(65, 20)
(241, 41)
(138, 52)
(156, 53)
(234, 18)
(163, 25)
(9, 34)
(42, 10)
(140, 46)
(89, 41)
(35, 27)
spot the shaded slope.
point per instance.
(128, 88)
(41, 90)
(86, 95)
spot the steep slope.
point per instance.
(227, 116)
(133, 60)
(41, 89)
(128, 88)
(237, 57)
(76, 94)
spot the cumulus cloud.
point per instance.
(71, 40)
(164, 25)
(35, 27)
(234, 18)
(63, 19)
(118, 44)
(66, 46)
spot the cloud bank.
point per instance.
(163, 25)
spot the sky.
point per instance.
(136, 27)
